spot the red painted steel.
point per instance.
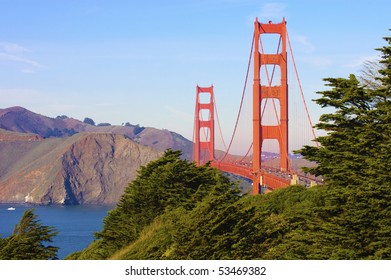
(204, 150)
(262, 132)
(273, 181)
(270, 180)
(233, 168)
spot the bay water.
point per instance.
(76, 224)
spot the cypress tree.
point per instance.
(29, 240)
(160, 186)
(357, 147)
(343, 156)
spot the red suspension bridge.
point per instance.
(268, 161)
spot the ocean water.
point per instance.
(76, 224)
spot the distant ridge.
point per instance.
(62, 160)
(19, 119)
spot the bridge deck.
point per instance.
(268, 179)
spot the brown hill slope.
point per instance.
(86, 168)
(18, 119)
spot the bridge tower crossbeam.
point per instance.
(262, 90)
(204, 144)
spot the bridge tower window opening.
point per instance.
(270, 75)
(270, 43)
(265, 60)
(270, 153)
(204, 134)
(270, 112)
(204, 98)
(205, 115)
(204, 125)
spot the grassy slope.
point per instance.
(291, 223)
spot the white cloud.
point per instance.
(303, 43)
(12, 48)
(16, 58)
(15, 53)
(272, 11)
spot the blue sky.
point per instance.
(139, 61)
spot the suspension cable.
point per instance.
(270, 79)
(194, 132)
(248, 151)
(241, 102)
(218, 123)
(301, 90)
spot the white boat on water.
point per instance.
(11, 208)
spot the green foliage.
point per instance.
(358, 143)
(154, 243)
(95, 251)
(2, 244)
(104, 124)
(175, 210)
(364, 222)
(342, 159)
(162, 185)
(292, 223)
(28, 241)
(138, 129)
(323, 222)
(89, 121)
(208, 230)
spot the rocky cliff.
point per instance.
(86, 168)
(66, 161)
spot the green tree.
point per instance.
(160, 186)
(358, 144)
(382, 117)
(89, 121)
(354, 158)
(29, 240)
(344, 153)
(104, 124)
(2, 244)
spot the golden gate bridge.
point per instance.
(268, 161)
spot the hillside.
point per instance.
(18, 119)
(91, 168)
(66, 161)
(176, 210)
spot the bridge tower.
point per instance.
(261, 91)
(204, 128)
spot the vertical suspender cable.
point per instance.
(301, 90)
(269, 80)
(218, 123)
